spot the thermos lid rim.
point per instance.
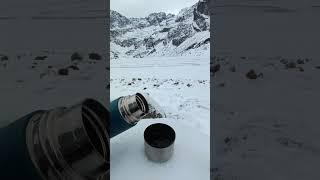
(159, 135)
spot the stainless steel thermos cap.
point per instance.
(159, 142)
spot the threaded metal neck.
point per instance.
(70, 143)
(133, 107)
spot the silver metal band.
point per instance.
(133, 108)
(70, 143)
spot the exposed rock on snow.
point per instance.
(63, 72)
(291, 65)
(4, 58)
(95, 56)
(76, 56)
(74, 67)
(215, 68)
(40, 58)
(252, 74)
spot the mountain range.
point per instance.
(161, 34)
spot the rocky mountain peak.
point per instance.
(161, 34)
(118, 20)
(200, 15)
(203, 7)
(156, 18)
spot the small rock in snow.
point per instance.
(76, 56)
(227, 140)
(4, 58)
(215, 68)
(40, 58)
(95, 56)
(291, 65)
(252, 74)
(74, 67)
(300, 61)
(63, 72)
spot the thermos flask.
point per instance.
(67, 143)
(59, 144)
(126, 111)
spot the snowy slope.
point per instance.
(161, 34)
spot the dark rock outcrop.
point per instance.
(156, 18)
(63, 72)
(40, 58)
(76, 56)
(169, 29)
(252, 74)
(118, 20)
(95, 56)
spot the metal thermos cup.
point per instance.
(159, 142)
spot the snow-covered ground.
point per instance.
(182, 88)
(265, 128)
(55, 29)
(190, 159)
(179, 84)
(28, 84)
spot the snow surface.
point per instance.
(265, 128)
(181, 86)
(190, 159)
(55, 29)
(28, 85)
(268, 128)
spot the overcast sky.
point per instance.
(142, 8)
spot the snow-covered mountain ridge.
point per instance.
(161, 34)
